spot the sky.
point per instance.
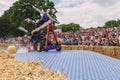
(87, 13)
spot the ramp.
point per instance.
(77, 64)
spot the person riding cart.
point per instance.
(37, 38)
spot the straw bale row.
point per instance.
(112, 51)
(12, 69)
(4, 45)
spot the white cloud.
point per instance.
(5, 4)
(68, 3)
(87, 13)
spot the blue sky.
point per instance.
(87, 13)
(55, 1)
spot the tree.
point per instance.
(111, 23)
(70, 27)
(22, 13)
(118, 22)
(5, 27)
(65, 28)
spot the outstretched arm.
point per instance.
(37, 9)
(52, 18)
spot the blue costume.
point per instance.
(44, 18)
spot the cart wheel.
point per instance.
(59, 48)
(39, 47)
(46, 50)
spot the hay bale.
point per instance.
(3, 45)
(104, 49)
(12, 69)
(69, 47)
(63, 47)
(90, 48)
(4, 55)
(74, 47)
(107, 50)
(97, 49)
(77, 48)
(83, 47)
(80, 48)
(116, 53)
(66, 47)
(0, 44)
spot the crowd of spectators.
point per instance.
(94, 37)
(21, 40)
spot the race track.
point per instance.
(77, 64)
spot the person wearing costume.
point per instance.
(43, 22)
(45, 19)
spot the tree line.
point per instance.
(22, 14)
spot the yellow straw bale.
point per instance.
(116, 52)
(90, 48)
(109, 51)
(12, 69)
(80, 48)
(112, 51)
(74, 47)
